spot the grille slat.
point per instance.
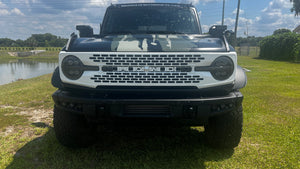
(170, 78)
(146, 59)
(162, 68)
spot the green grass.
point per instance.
(51, 56)
(31, 93)
(7, 118)
(271, 134)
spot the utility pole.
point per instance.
(236, 21)
(223, 12)
(247, 30)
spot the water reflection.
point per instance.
(24, 69)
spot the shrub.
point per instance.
(297, 51)
(281, 31)
(283, 47)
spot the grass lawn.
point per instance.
(45, 56)
(271, 134)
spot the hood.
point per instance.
(148, 43)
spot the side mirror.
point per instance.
(217, 30)
(85, 30)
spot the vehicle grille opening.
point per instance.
(147, 59)
(145, 69)
(154, 78)
(147, 110)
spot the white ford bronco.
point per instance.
(150, 62)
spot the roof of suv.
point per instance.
(152, 4)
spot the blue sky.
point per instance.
(21, 18)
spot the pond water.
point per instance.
(24, 69)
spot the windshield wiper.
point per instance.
(164, 32)
(118, 33)
(141, 32)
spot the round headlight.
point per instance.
(72, 67)
(222, 68)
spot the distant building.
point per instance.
(297, 30)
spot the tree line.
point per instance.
(36, 40)
(255, 41)
(49, 40)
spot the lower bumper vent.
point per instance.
(146, 110)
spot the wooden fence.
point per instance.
(248, 51)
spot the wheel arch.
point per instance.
(240, 78)
(55, 80)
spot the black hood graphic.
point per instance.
(148, 43)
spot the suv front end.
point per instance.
(154, 74)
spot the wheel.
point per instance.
(225, 131)
(73, 130)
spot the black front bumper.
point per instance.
(98, 106)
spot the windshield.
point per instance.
(150, 20)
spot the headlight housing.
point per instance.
(222, 68)
(72, 67)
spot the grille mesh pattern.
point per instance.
(142, 60)
(146, 59)
(154, 78)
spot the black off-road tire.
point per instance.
(225, 131)
(73, 130)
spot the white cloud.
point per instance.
(101, 3)
(205, 28)
(279, 4)
(20, 1)
(3, 9)
(195, 2)
(17, 12)
(200, 13)
(105, 3)
(241, 11)
(2, 5)
(4, 12)
(275, 16)
(246, 20)
(7, 12)
(258, 18)
(60, 17)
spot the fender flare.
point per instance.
(240, 78)
(55, 80)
